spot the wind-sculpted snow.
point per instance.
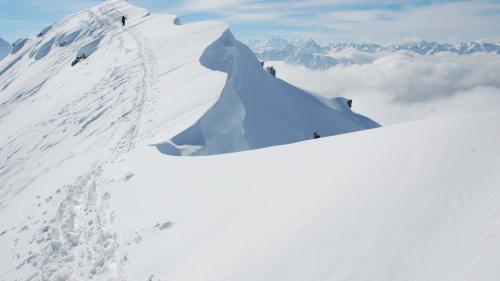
(89, 48)
(18, 45)
(69, 38)
(256, 110)
(44, 49)
(87, 192)
(44, 31)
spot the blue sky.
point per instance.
(323, 20)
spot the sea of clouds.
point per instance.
(404, 86)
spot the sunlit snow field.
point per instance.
(98, 179)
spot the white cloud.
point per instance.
(344, 20)
(441, 22)
(403, 86)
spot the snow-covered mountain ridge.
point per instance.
(87, 90)
(44, 60)
(89, 189)
(245, 116)
(312, 55)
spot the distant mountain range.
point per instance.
(316, 56)
(5, 48)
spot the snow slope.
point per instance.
(54, 115)
(5, 48)
(60, 125)
(256, 110)
(138, 86)
(87, 192)
(417, 201)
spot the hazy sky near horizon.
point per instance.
(323, 20)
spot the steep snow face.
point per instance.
(417, 201)
(5, 48)
(256, 110)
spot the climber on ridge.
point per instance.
(123, 20)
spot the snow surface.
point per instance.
(417, 201)
(87, 192)
(256, 110)
(5, 48)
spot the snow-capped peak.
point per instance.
(309, 47)
(273, 44)
(298, 42)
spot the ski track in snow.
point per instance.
(78, 244)
(147, 63)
